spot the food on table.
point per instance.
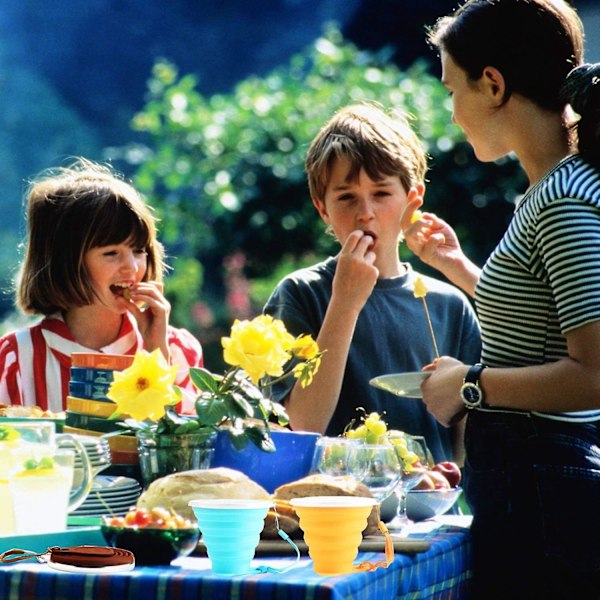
(450, 470)
(27, 412)
(314, 485)
(432, 480)
(410, 461)
(373, 429)
(176, 490)
(156, 518)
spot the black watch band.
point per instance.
(471, 392)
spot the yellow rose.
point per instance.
(260, 347)
(305, 347)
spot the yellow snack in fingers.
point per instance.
(416, 216)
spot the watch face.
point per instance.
(471, 394)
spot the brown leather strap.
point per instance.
(78, 556)
(91, 556)
(16, 554)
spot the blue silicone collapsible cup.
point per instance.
(230, 531)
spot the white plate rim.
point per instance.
(406, 385)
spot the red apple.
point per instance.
(450, 470)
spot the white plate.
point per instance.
(401, 384)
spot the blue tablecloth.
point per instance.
(443, 572)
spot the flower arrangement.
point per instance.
(259, 351)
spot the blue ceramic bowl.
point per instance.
(291, 460)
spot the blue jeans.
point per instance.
(533, 485)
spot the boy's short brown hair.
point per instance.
(382, 143)
(69, 211)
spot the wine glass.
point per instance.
(377, 466)
(332, 456)
(415, 457)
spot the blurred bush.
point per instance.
(226, 172)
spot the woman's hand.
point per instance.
(151, 311)
(441, 390)
(436, 244)
(428, 236)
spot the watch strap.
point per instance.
(471, 392)
(474, 373)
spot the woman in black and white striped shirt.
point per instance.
(513, 68)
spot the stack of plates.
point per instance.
(88, 407)
(97, 450)
(110, 496)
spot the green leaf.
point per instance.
(210, 411)
(260, 438)
(203, 379)
(239, 406)
(238, 440)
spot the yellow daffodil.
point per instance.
(260, 347)
(145, 388)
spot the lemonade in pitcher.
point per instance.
(10, 442)
(40, 492)
(19, 441)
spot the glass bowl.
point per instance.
(424, 504)
(151, 545)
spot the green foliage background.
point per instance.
(226, 173)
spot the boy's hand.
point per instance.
(356, 274)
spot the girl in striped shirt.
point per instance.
(93, 269)
(532, 470)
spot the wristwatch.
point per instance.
(470, 392)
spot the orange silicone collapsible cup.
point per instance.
(333, 527)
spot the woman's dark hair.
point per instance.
(537, 45)
(533, 43)
(69, 211)
(582, 91)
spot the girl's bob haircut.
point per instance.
(69, 211)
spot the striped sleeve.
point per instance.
(568, 238)
(186, 352)
(10, 390)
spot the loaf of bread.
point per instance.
(176, 490)
(314, 485)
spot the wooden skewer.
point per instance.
(435, 348)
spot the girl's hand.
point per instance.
(356, 274)
(151, 311)
(441, 390)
